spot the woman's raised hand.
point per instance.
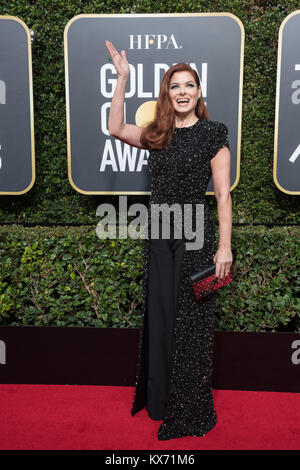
(119, 61)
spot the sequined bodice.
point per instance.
(181, 173)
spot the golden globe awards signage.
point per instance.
(286, 172)
(17, 160)
(212, 43)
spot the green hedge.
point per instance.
(69, 277)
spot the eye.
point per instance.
(173, 86)
(191, 84)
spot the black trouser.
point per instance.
(163, 282)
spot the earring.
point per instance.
(199, 99)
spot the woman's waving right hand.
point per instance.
(128, 133)
(119, 61)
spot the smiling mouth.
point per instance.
(183, 101)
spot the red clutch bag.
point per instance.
(205, 281)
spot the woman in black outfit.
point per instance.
(176, 342)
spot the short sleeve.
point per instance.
(219, 139)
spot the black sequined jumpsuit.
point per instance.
(180, 175)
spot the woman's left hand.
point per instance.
(223, 260)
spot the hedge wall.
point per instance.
(264, 298)
(69, 277)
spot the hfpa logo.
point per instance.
(156, 41)
(2, 352)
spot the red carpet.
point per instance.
(50, 417)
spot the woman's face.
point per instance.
(184, 92)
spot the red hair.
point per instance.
(158, 133)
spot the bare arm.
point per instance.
(220, 165)
(128, 133)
